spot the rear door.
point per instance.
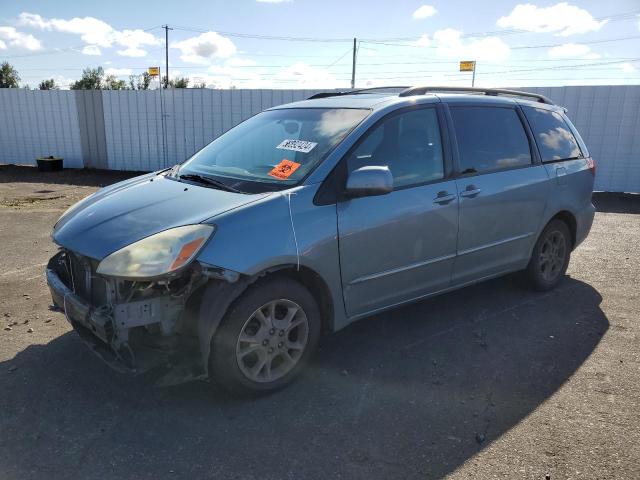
(564, 155)
(502, 188)
(399, 246)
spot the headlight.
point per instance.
(158, 254)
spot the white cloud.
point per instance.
(424, 11)
(18, 39)
(628, 68)
(298, 75)
(93, 32)
(132, 52)
(423, 41)
(302, 75)
(450, 44)
(91, 50)
(241, 62)
(118, 72)
(133, 39)
(205, 47)
(561, 18)
(573, 50)
(3, 46)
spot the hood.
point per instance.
(126, 212)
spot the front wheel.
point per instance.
(550, 257)
(266, 338)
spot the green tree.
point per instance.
(92, 79)
(179, 83)
(176, 83)
(9, 77)
(200, 85)
(140, 82)
(49, 84)
(111, 82)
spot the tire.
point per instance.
(272, 337)
(550, 257)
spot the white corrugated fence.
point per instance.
(122, 130)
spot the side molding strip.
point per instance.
(494, 244)
(373, 276)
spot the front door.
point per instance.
(402, 245)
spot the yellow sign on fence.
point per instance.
(154, 71)
(467, 66)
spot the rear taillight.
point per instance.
(592, 165)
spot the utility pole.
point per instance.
(353, 67)
(164, 136)
(166, 53)
(473, 77)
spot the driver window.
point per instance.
(408, 144)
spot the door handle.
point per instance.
(470, 191)
(444, 198)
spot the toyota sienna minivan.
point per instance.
(311, 215)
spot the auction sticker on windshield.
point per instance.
(297, 145)
(284, 169)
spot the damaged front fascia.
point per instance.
(158, 306)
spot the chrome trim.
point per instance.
(494, 244)
(374, 276)
(411, 266)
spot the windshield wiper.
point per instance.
(192, 177)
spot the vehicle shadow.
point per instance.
(69, 176)
(609, 202)
(412, 393)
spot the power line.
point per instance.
(256, 36)
(593, 42)
(581, 66)
(264, 37)
(610, 18)
(73, 48)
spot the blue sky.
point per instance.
(402, 42)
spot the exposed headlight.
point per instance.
(158, 254)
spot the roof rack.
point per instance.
(485, 91)
(355, 92)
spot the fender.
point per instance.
(284, 228)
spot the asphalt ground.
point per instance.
(492, 381)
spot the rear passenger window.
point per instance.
(490, 138)
(553, 136)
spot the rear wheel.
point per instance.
(266, 338)
(550, 256)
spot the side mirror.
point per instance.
(369, 181)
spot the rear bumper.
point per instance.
(584, 220)
(172, 359)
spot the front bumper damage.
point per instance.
(135, 327)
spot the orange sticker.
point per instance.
(284, 169)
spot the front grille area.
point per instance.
(84, 281)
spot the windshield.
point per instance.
(274, 148)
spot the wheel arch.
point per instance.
(218, 296)
(313, 282)
(570, 220)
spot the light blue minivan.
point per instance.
(311, 215)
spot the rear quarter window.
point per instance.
(554, 138)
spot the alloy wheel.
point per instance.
(272, 341)
(552, 255)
